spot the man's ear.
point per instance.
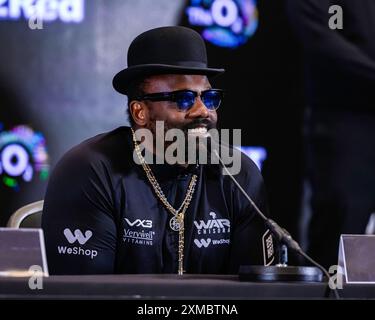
(139, 112)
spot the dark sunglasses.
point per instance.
(185, 99)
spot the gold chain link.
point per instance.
(179, 214)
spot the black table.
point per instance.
(169, 287)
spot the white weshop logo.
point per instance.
(77, 250)
(206, 242)
(77, 236)
(202, 242)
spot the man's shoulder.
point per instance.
(244, 170)
(247, 164)
(109, 147)
(241, 164)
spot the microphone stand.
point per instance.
(280, 272)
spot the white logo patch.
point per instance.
(212, 227)
(77, 236)
(139, 223)
(135, 234)
(77, 250)
(202, 242)
(268, 250)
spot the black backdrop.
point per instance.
(58, 80)
(264, 98)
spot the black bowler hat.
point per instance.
(174, 50)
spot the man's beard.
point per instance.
(201, 143)
(184, 127)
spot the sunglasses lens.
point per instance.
(185, 100)
(212, 99)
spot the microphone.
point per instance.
(281, 271)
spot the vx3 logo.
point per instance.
(139, 223)
(77, 236)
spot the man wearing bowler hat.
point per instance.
(107, 210)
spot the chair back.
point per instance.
(29, 216)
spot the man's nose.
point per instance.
(198, 110)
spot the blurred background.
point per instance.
(56, 87)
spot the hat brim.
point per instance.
(122, 79)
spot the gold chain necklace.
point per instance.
(176, 223)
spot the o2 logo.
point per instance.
(226, 23)
(23, 155)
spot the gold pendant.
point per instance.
(175, 223)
